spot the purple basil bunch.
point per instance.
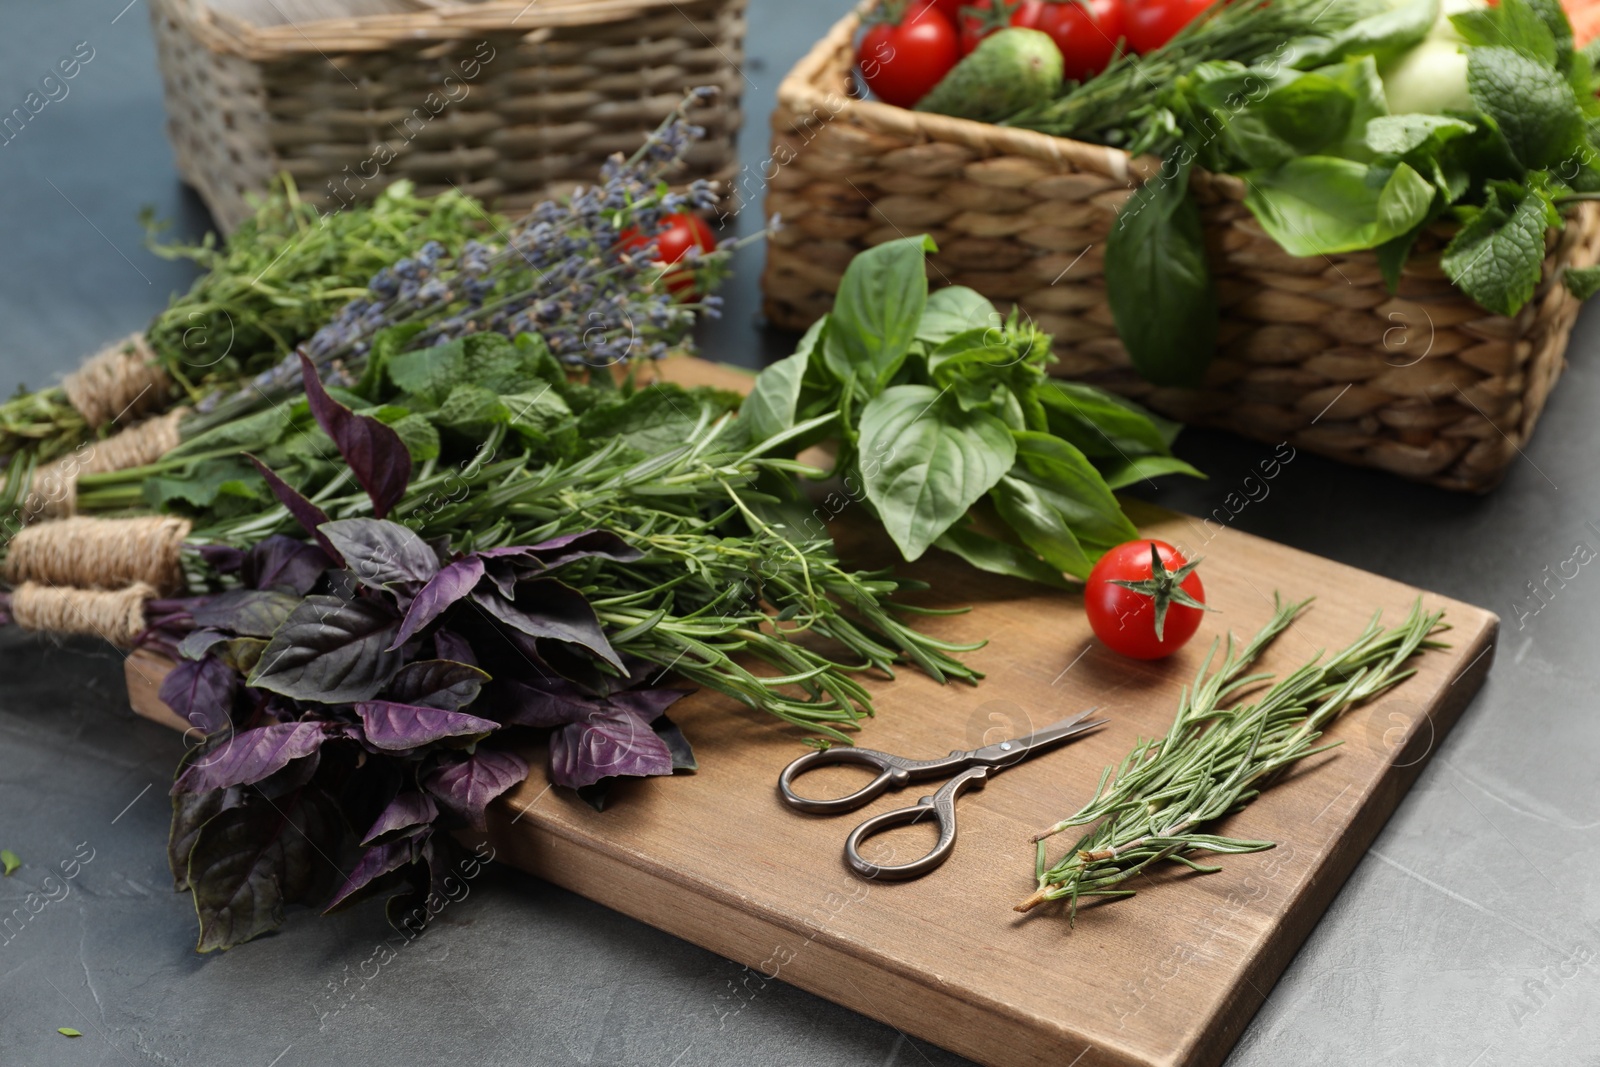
(345, 691)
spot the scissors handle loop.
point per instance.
(941, 806)
(891, 777)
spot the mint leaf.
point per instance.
(1497, 257)
(1532, 104)
(1512, 25)
(1581, 282)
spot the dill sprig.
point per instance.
(1217, 758)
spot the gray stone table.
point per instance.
(1469, 936)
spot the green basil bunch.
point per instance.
(951, 428)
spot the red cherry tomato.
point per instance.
(1152, 23)
(951, 9)
(901, 63)
(1086, 32)
(1124, 618)
(679, 233)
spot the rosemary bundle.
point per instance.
(1217, 758)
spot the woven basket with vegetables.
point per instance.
(508, 102)
(1358, 227)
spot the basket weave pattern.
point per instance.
(1316, 351)
(512, 103)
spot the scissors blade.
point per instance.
(1005, 753)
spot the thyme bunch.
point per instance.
(1217, 757)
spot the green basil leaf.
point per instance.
(934, 462)
(998, 557)
(1398, 135)
(1032, 517)
(1532, 104)
(876, 314)
(1384, 35)
(1320, 205)
(955, 309)
(772, 404)
(1357, 76)
(1121, 473)
(1101, 425)
(1158, 282)
(1069, 483)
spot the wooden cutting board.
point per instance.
(1169, 977)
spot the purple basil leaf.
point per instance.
(191, 811)
(436, 683)
(505, 578)
(604, 745)
(376, 455)
(280, 562)
(201, 692)
(405, 812)
(682, 752)
(550, 609)
(454, 581)
(249, 861)
(307, 514)
(383, 555)
(374, 863)
(224, 559)
(543, 702)
(196, 643)
(331, 651)
(402, 727)
(246, 612)
(451, 646)
(648, 704)
(465, 785)
(559, 550)
(250, 756)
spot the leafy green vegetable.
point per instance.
(1320, 205)
(973, 449)
(1498, 256)
(1531, 103)
(1581, 282)
(1159, 284)
(938, 460)
(1383, 34)
(880, 304)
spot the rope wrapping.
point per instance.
(124, 377)
(100, 554)
(114, 615)
(53, 493)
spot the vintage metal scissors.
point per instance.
(971, 769)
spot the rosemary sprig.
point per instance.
(717, 584)
(1215, 759)
(1128, 93)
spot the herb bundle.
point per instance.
(950, 426)
(278, 279)
(1216, 758)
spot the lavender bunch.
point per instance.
(582, 273)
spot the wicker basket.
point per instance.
(507, 101)
(1315, 351)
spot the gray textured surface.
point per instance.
(1471, 935)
